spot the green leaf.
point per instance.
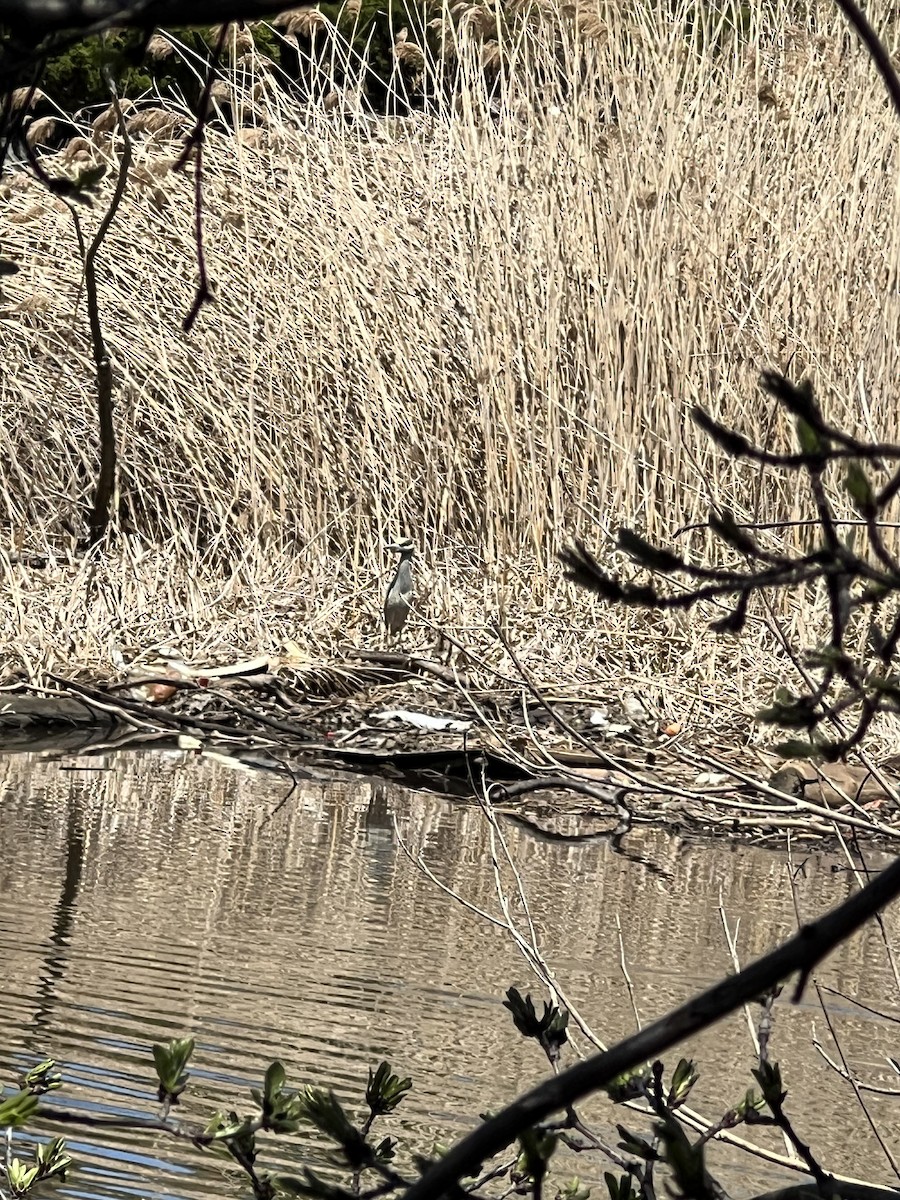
(858, 487)
(171, 1060)
(809, 439)
(654, 558)
(50, 1159)
(549, 1029)
(573, 1190)
(42, 1078)
(630, 1085)
(523, 1012)
(80, 186)
(724, 526)
(619, 1189)
(686, 1162)
(733, 443)
(53, 1159)
(538, 1146)
(385, 1090)
(797, 398)
(768, 1076)
(635, 1145)
(683, 1079)
(17, 1109)
(20, 1176)
(751, 1103)
(274, 1083)
(230, 1125)
(386, 1150)
(282, 1111)
(324, 1111)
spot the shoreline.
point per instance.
(563, 782)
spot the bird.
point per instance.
(399, 595)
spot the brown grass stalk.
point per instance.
(483, 326)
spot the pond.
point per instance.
(146, 896)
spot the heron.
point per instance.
(399, 595)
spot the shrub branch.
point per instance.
(799, 955)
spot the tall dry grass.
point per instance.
(483, 327)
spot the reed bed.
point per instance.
(482, 326)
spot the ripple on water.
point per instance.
(150, 897)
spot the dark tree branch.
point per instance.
(99, 517)
(98, 521)
(877, 51)
(801, 954)
(194, 145)
(859, 675)
(32, 19)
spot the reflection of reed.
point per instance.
(160, 898)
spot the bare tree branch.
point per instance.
(32, 19)
(801, 954)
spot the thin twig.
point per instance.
(876, 1132)
(623, 967)
(798, 955)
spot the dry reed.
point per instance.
(483, 327)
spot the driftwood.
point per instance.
(545, 765)
(48, 712)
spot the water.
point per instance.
(152, 896)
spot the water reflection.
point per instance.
(154, 896)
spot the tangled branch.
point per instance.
(856, 681)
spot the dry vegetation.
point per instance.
(483, 327)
